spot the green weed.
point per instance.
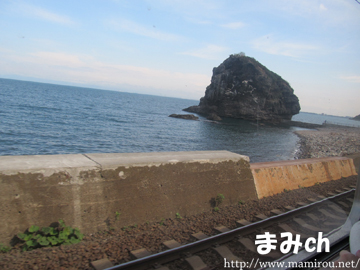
(34, 237)
(4, 249)
(219, 199)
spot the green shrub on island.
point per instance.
(34, 237)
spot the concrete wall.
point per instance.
(87, 190)
(274, 177)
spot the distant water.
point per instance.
(330, 119)
(42, 119)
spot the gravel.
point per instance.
(328, 142)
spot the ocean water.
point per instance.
(321, 118)
(43, 119)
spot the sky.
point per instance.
(169, 47)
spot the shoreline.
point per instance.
(328, 141)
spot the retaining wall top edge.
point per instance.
(29, 163)
(155, 158)
(38, 162)
(294, 162)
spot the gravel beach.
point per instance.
(328, 141)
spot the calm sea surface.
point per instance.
(42, 119)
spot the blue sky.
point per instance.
(169, 47)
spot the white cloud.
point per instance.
(287, 48)
(330, 12)
(60, 59)
(208, 52)
(234, 25)
(43, 14)
(138, 29)
(352, 79)
(322, 7)
(84, 69)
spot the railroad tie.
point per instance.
(332, 225)
(313, 217)
(276, 212)
(102, 264)
(140, 253)
(350, 200)
(330, 215)
(321, 197)
(301, 204)
(338, 191)
(171, 244)
(343, 204)
(221, 229)
(337, 209)
(289, 208)
(261, 217)
(199, 236)
(196, 263)
(352, 186)
(242, 222)
(331, 194)
(302, 223)
(287, 228)
(226, 253)
(346, 188)
(250, 245)
(312, 200)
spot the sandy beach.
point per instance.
(328, 141)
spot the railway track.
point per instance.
(318, 214)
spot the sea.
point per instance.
(47, 119)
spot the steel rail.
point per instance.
(200, 245)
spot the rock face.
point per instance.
(243, 88)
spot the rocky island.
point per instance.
(356, 118)
(243, 88)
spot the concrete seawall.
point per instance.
(275, 177)
(86, 190)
